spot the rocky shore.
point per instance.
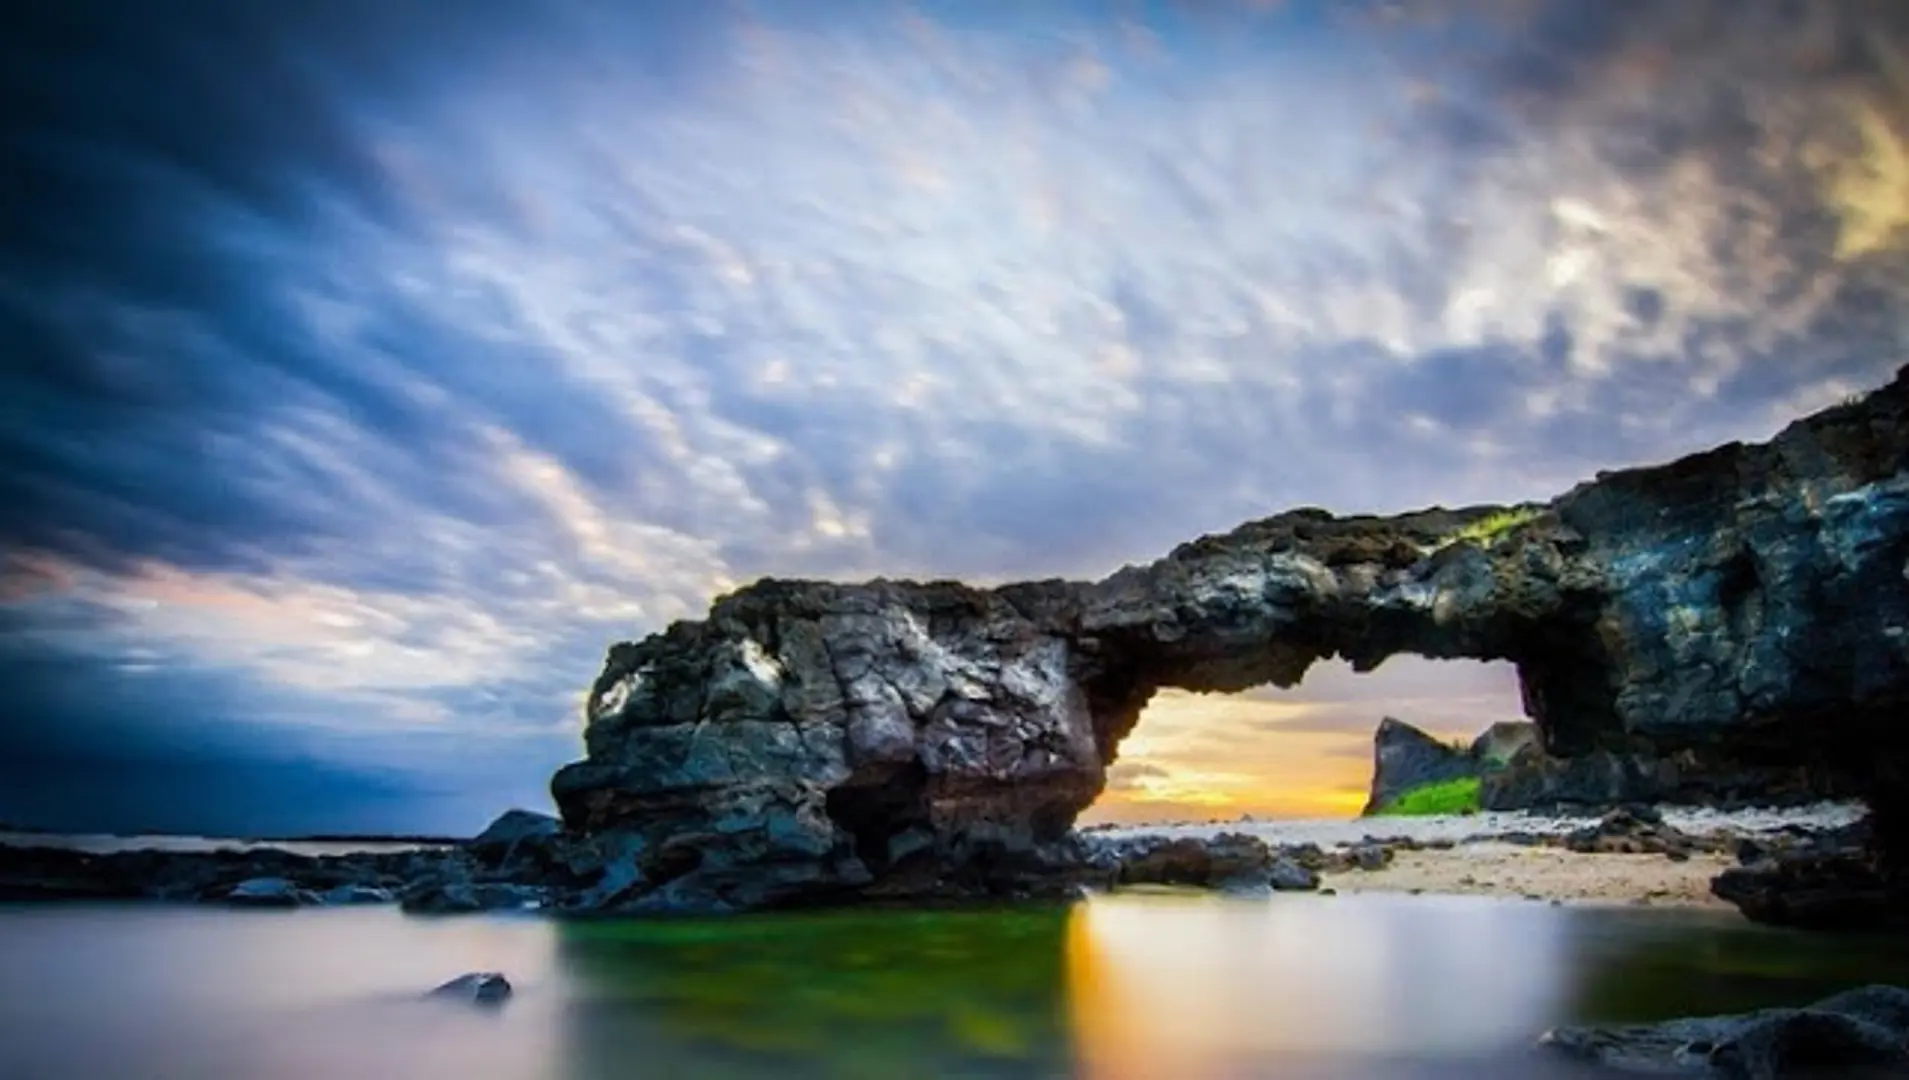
(527, 861)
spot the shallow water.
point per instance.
(1129, 986)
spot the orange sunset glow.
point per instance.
(1299, 753)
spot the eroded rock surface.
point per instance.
(811, 741)
(1404, 758)
(1515, 773)
(1862, 1033)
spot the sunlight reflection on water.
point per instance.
(1119, 988)
(1191, 984)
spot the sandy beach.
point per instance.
(1479, 864)
(1544, 873)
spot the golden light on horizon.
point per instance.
(1308, 755)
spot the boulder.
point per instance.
(1288, 875)
(1824, 889)
(1227, 861)
(1638, 830)
(1860, 1033)
(818, 742)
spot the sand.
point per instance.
(1535, 873)
(1478, 865)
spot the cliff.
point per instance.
(811, 741)
(1514, 773)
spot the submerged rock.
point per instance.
(477, 988)
(814, 742)
(1858, 1034)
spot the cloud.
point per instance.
(1133, 775)
(394, 359)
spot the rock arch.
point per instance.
(809, 741)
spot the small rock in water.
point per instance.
(477, 987)
(264, 892)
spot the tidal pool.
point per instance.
(1125, 986)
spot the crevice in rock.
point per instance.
(1739, 594)
(875, 810)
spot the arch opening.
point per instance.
(1299, 752)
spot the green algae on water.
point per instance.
(872, 993)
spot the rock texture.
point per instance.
(1861, 1033)
(809, 742)
(1404, 757)
(1515, 773)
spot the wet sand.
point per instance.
(1544, 874)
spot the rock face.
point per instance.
(1535, 780)
(1403, 758)
(1860, 1033)
(1515, 773)
(809, 741)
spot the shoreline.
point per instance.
(1643, 856)
(1547, 874)
(1519, 855)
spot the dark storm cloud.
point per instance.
(130, 745)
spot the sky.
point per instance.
(367, 368)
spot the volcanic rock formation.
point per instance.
(811, 741)
(1405, 758)
(1515, 773)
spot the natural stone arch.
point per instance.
(813, 740)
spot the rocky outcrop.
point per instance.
(810, 742)
(1858, 1033)
(1515, 773)
(1832, 881)
(1404, 758)
(521, 861)
(1690, 776)
(1229, 862)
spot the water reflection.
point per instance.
(838, 994)
(1121, 987)
(1201, 986)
